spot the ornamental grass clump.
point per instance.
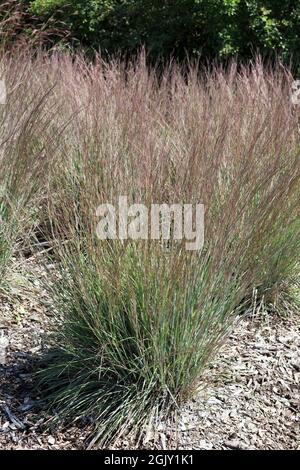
(27, 146)
(140, 320)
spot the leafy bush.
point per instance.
(20, 28)
(210, 28)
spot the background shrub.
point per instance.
(210, 28)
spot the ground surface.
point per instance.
(252, 400)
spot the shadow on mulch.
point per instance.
(17, 396)
(24, 418)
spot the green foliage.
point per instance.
(137, 333)
(210, 28)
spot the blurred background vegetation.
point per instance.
(207, 29)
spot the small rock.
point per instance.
(4, 342)
(234, 444)
(51, 440)
(5, 426)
